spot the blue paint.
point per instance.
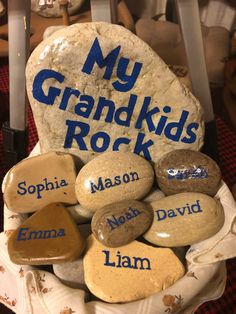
(115, 222)
(25, 234)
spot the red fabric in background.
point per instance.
(227, 151)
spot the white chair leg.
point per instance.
(189, 19)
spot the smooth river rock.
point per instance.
(49, 236)
(41, 180)
(120, 223)
(130, 272)
(96, 87)
(72, 273)
(113, 177)
(79, 214)
(184, 170)
(184, 219)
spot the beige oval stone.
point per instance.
(184, 170)
(184, 219)
(41, 180)
(130, 272)
(120, 223)
(113, 177)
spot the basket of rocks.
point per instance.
(115, 210)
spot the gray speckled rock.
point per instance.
(187, 171)
(120, 223)
(55, 10)
(135, 104)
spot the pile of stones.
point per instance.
(106, 227)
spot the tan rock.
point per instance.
(85, 106)
(113, 177)
(120, 223)
(130, 272)
(41, 180)
(184, 219)
(48, 236)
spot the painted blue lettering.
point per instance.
(100, 136)
(177, 127)
(95, 56)
(66, 96)
(119, 141)
(53, 92)
(141, 147)
(84, 109)
(22, 234)
(99, 187)
(128, 79)
(146, 115)
(161, 214)
(70, 135)
(126, 112)
(21, 187)
(191, 135)
(102, 102)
